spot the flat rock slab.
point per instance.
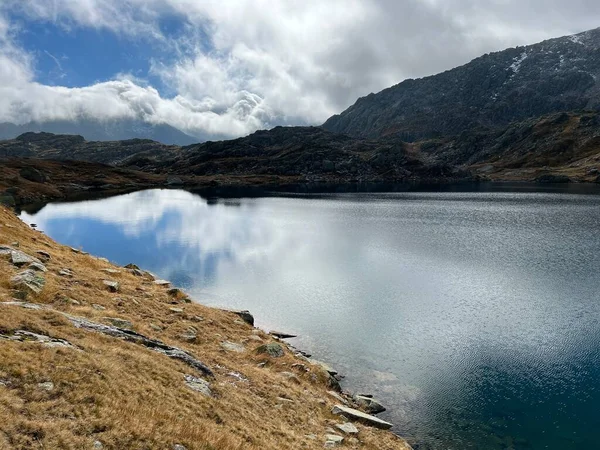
(28, 336)
(233, 347)
(348, 428)
(162, 283)
(359, 416)
(17, 257)
(282, 334)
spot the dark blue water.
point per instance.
(473, 316)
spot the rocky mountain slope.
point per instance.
(557, 147)
(75, 147)
(491, 91)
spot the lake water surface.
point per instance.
(474, 317)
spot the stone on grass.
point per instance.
(112, 286)
(111, 271)
(38, 267)
(176, 310)
(333, 440)
(359, 416)
(98, 307)
(119, 323)
(243, 314)
(28, 281)
(46, 386)
(348, 428)
(198, 385)
(43, 255)
(273, 349)
(66, 273)
(162, 283)
(233, 347)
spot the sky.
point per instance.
(229, 67)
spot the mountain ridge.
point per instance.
(493, 90)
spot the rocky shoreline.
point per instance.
(46, 281)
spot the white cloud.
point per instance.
(269, 63)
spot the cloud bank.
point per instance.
(241, 65)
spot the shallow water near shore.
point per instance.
(473, 316)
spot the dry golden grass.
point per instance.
(127, 396)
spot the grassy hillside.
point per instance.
(81, 365)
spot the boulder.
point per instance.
(359, 416)
(244, 315)
(112, 286)
(164, 283)
(28, 281)
(274, 350)
(198, 385)
(233, 347)
(33, 174)
(369, 404)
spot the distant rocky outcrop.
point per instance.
(491, 91)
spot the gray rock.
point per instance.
(162, 283)
(28, 281)
(359, 416)
(274, 350)
(127, 335)
(112, 286)
(119, 323)
(333, 440)
(98, 445)
(46, 386)
(188, 336)
(348, 428)
(43, 255)
(324, 366)
(111, 271)
(179, 447)
(66, 273)
(28, 336)
(369, 404)
(338, 397)
(282, 335)
(176, 310)
(98, 307)
(198, 385)
(233, 347)
(38, 267)
(244, 315)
